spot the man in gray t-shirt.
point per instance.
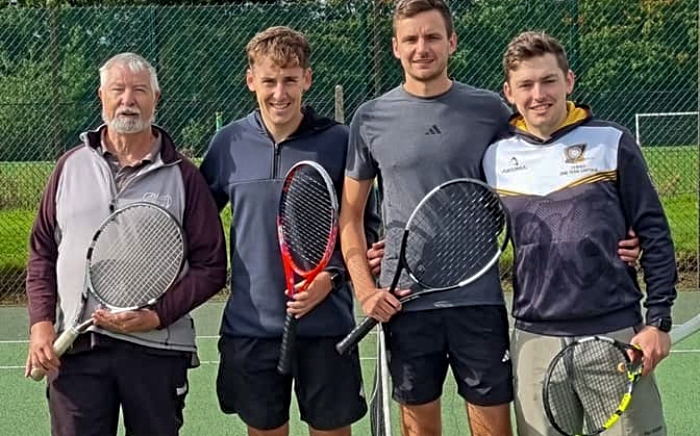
(425, 132)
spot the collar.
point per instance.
(156, 145)
(309, 123)
(577, 114)
(168, 152)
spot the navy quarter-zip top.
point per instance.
(245, 167)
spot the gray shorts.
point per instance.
(531, 354)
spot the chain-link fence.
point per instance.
(636, 63)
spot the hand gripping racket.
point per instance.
(135, 256)
(307, 226)
(453, 237)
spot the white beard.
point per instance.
(127, 125)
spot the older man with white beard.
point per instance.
(135, 360)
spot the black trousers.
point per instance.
(91, 386)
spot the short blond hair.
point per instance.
(285, 46)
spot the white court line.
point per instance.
(202, 362)
(216, 362)
(25, 341)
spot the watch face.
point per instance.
(666, 324)
(663, 324)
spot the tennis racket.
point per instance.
(453, 237)
(134, 257)
(589, 384)
(307, 226)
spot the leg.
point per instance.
(83, 397)
(489, 420)
(328, 387)
(279, 431)
(531, 356)
(478, 354)
(645, 414)
(249, 385)
(421, 420)
(418, 362)
(344, 431)
(152, 386)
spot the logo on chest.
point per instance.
(576, 162)
(575, 153)
(161, 200)
(513, 166)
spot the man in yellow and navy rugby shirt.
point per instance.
(573, 186)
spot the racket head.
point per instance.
(307, 219)
(455, 235)
(135, 256)
(589, 384)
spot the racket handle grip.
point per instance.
(289, 340)
(355, 336)
(62, 344)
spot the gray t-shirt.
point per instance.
(414, 144)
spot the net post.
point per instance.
(383, 368)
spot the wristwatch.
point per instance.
(664, 323)
(336, 280)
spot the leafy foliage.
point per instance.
(632, 56)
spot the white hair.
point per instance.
(134, 63)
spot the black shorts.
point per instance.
(91, 386)
(472, 340)
(328, 386)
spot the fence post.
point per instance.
(339, 103)
(575, 37)
(55, 82)
(376, 48)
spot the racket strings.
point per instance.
(307, 217)
(454, 234)
(136, 257)
(586, 386)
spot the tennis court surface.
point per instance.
(24, 411)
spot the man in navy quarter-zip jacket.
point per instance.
(573, 184)
(244, 166)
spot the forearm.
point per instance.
(644, 213)
(41, 289)
(198, 286)
(206, 254)
(41, 282)
(354, 246)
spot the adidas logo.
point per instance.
(433, 130)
